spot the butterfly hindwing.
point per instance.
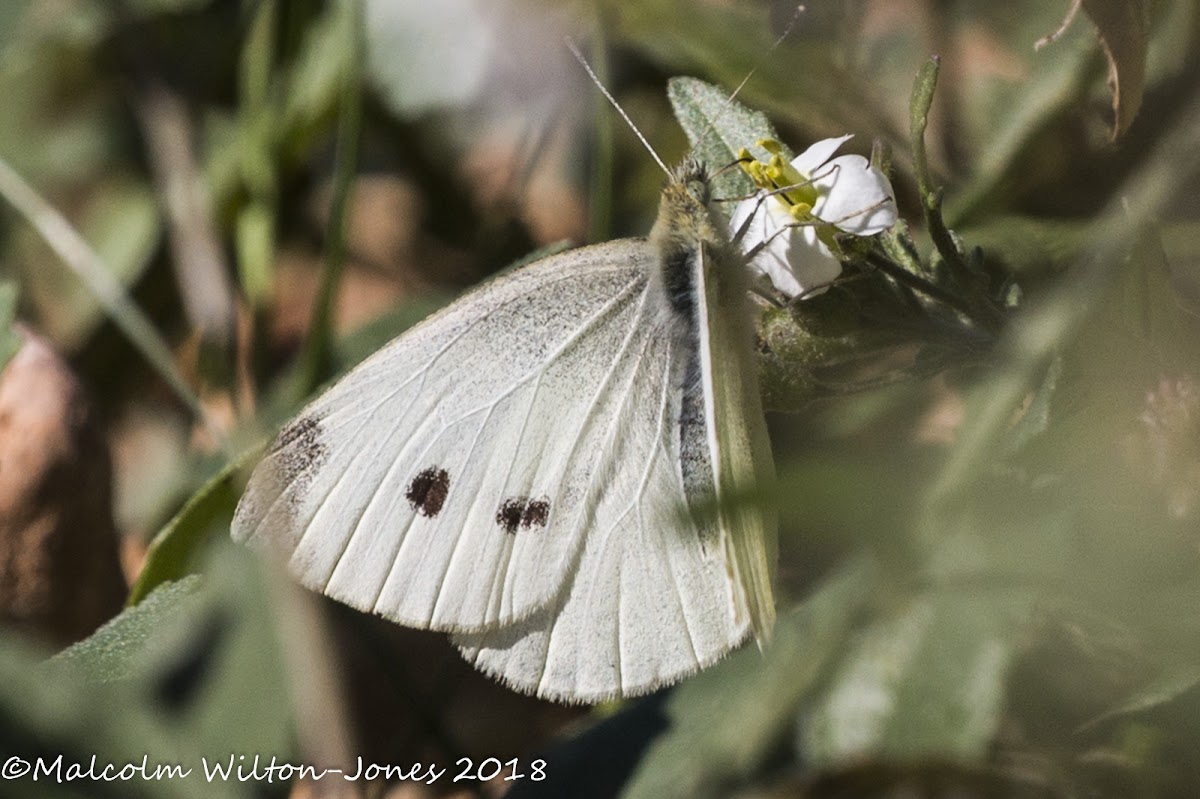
(736, 433)
(647, 603)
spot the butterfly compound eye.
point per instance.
(427, 491)
(698, 189)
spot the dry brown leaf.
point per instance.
(1121, 26)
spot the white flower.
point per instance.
(802, 205)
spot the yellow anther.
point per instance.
(757, 172)
(801, 212)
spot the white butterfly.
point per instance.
(532, 469)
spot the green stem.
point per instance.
(314, 360)
(258, 122)
(931, 196)
(982, 310)
(916, 283)
(91, 270)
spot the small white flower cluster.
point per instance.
(802, 205)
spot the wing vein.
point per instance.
(587, 326)
(582, 329)
(606, 534)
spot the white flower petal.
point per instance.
(855, 196)
(809, 161)
(773, 262)
(812, 265)
(852, 195)
(742, 212)
(792, 257)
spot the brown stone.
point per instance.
(60, 574)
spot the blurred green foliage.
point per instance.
(990, 449)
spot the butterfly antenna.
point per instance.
(596, 80)
(729, 100)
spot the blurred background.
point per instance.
(989, 556)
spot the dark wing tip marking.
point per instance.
(300, 448)
(523, 513)
(301, 428)
(427, 491)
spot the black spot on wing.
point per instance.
(536, 513)
(300, 449)
(508, 515)
(523, 513)
(427, 491)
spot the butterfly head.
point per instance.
(691, 179)
(686, 212)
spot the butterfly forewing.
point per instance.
(442, 483)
